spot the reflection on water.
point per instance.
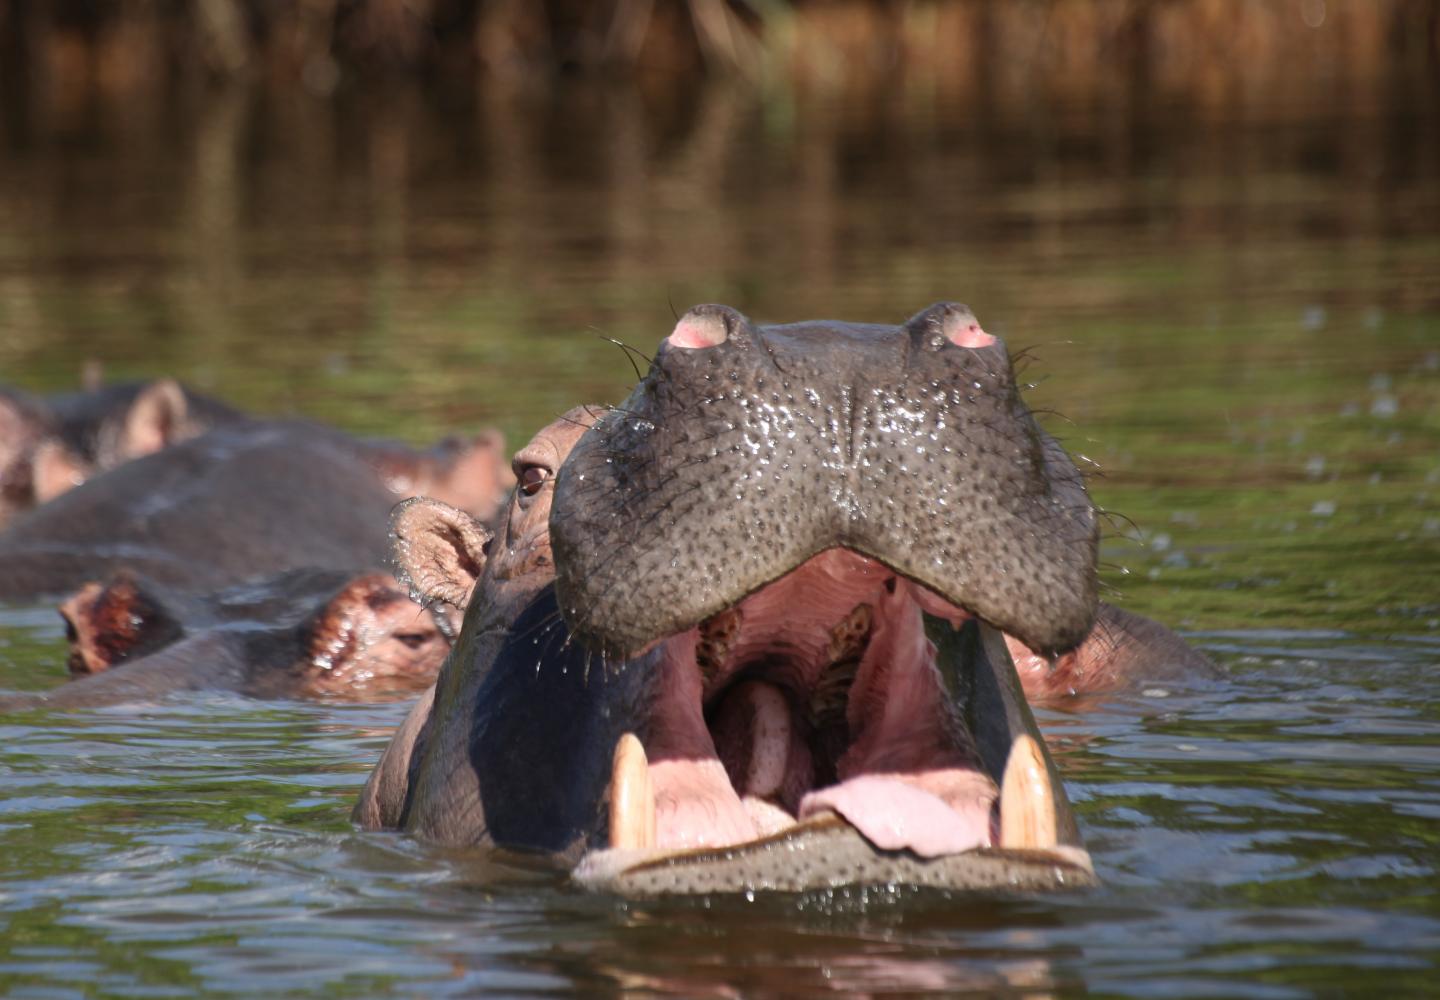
(1237, 318)
(1272, 835)
(322, 256)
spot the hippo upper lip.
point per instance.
(749, 450)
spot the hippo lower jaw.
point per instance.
(823, 732)
(824, 850)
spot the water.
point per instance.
(1236, 320)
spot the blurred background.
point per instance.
(1214, 224)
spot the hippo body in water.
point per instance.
(247, 500)
(51, 444)
(301, 634)
(764, 606)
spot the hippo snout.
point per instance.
(748, 450)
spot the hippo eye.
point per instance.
(532, 477)
(412, 640)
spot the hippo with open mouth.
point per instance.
(751, 629)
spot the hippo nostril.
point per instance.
(961, 328)
(953, 322)
(705, 326)
(698, 332)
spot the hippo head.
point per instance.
(115, 424)
(471, 473)
(811, 540)
(303, 633)
(748, 451)
(35, 464)
(111, 621)
(368, 641)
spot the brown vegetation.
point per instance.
(1216, 51)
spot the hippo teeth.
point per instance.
(752, 733)
(717, 635)
(1027, 802)
(846, 645)
(632, 797)
(850, 636)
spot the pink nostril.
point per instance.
(698, 332)
(962, 329)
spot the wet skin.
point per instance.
(303, 634)
(786, 655)
(247, 500)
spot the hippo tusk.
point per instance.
(1027, 802)
(632, 797)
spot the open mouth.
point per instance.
(836, 711)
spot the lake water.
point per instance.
(1236, 319)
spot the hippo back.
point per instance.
(241, 501)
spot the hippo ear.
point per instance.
(476, 476)
(439, 551)
(112, 621)
(55, 469)
(156, 419)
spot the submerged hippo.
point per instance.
(303, 634)
(466, 472)
(749, 630)
(34, 464)
(52, 444)
(243, 501)
(114, 424)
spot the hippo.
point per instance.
(113, 424)
(34, 464)
(1122, 651)
(466, 472)
(245, 500)
(52, 444)
(306, 633)
(766, 605)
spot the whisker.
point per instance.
(630, 352)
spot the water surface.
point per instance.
(1236, 321)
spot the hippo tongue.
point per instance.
(894, 814)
